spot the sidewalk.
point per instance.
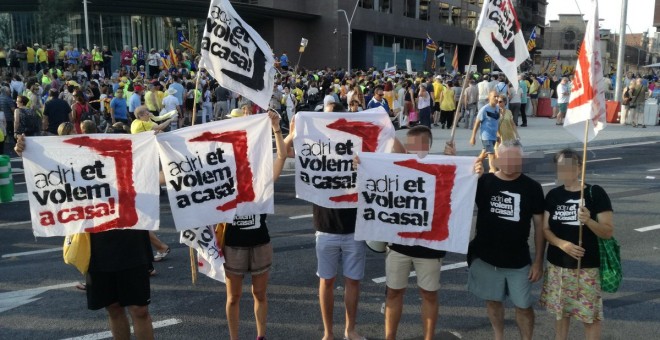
(541, 134)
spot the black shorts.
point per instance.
(128, 287)
(436, 107)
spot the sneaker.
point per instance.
(643, 126)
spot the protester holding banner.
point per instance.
(426, 261)
(487, 121)
(144, 123)
(572, 290)
(499, 258)
(248, 250)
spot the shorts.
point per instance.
(489, 146)
(553, 102)
(397, 271)
(130, 287)
(332, 248)
(248, 260)
(534, 95)
(563, 107)
(495, 284)
(436, 107)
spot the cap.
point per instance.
(171, 91)
(235, 113)
(137, 88)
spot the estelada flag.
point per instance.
(500, 36)
(587, 101)
(236, 55)
(454, 61)
(173, 58)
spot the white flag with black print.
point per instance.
(236, 56)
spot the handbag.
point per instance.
(77, 251)
(611, 273)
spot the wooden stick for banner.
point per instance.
(584, 171)
(194, 113)
(193, 266)
(465, 82)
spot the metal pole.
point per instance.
(86, 24)
(101, 21)
(622, 49)
(350, 33)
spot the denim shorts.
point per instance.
(489, 146)
(333, 248)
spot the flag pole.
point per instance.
(193, 261)
(193, 266)
(465, 82)
(582, 203)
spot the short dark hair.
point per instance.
(379, 87)
(568, 153)
(419, 130)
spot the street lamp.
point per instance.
(85, 2)
(350, 32)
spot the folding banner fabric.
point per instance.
(410, 201)
(326, 143)
(210, 259)
(216, 170)
(91, 183)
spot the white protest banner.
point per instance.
(325, 144)
(210, 258)
(236, 56)
(217, 170)
(91, 183)
(411, 201)
(501, 37)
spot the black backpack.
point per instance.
(88, 113)
(30, 123)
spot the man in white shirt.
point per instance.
(329, 98)
(484, 90)
(563, 95)
(171, 103)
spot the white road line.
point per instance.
(413, 273)
(19, 197)
(547, 184)
(12, 299)
(300, 216)
(603, 160)
(9, 224)
(287, 175)
(108, 335)
(652, 170)
(32, 252)
(649, 228)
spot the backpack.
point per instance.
(51, 56)
(29, 122)
(87, 113)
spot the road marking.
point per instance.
(33, 252)
(9, 224)
(547, 184)
(658, 169)
(17, 298)
(300, 216)
(649, 228)
(650, 177)
(287, 175)
(603, 160)
(413, 273)
(17, 171)
(22, 197)
(108, 335)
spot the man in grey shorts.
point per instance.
(500, 263)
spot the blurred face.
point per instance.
(501, 102)
(246, 110)
(492, 98)
(120, 93)
(509, 161)
(419, 145)
(568, 170)
(378, 94)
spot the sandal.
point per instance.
(81, 286)
(161, 256)
(152, 272)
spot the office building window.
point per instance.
(456, 16)
(410, 8)
(471, 20)
(445, 11)
(368, 4)
(385, 6)
(424, 10)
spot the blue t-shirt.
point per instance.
(489, 117)
(523, 91)
(373, 103)
(118, 106)
(180, 91)
(134, 102)
(284, 60)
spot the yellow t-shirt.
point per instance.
(61, 55)
(138, 126)
(447, 103)
(437, 90)
(156, 103)
(30, 55)
(97, 56)
(42, 56)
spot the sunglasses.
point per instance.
(500, 101)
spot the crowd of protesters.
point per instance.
(69, 97)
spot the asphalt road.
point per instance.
(37, 300)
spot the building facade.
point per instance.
(375, 26)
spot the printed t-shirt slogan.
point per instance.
(325, 144)
(91, 183)
(217, 170)
(236, 56)
(411, 201)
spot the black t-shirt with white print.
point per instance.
(505, 211)
(247, 231)
(562, 206)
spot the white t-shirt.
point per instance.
(328, 99)
(424, 102)
(563, 93)
(170, 103)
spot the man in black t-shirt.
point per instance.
(500, 263)
(56, 112)
(554, 82)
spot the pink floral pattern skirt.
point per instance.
(562, 296)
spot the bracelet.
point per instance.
(278, 131)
